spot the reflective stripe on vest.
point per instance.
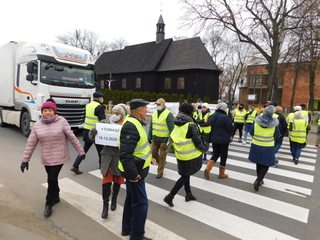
(184, 148)
(206, 129)
(299, 130)
(142, 149)
(263, 136)
(159, 124)
(240, 116)
(251, 117)
(91, 119)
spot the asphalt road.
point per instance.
(224, 207)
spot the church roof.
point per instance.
(167, 55)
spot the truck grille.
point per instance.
(74, 114)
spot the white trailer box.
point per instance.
(7, 73)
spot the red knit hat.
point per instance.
(49, 104)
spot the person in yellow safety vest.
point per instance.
(205, 126)
(265, 133)
(250, 117)
(135, 158)
(188, 148)
(306, 115)
(195, 113)
(290, 115)
(239, 120)
(298, 135)
(94, 113)
(160, 128)
(318, 131)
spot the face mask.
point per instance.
(114, 118)
(159, 108)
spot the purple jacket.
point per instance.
(52, 135)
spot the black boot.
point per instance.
(115, 192)
(189, 197)
(168, 199)
(256, 185)
(106, 190)
(47, 211)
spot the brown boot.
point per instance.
(210, 165)
(221, 173)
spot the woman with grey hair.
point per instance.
(265, 133)
(298, 135)
(109, 162)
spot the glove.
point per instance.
(82, 157)
(149, 141)
(24, 165)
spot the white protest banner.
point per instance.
(108, 134)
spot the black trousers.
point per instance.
(238, 126)
(261, 171)
(220, 150)
(182, 181)
(53, 186)
(86, 148)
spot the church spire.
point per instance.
(160, 30)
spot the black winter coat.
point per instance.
(187, 168)
(129, 137)
(221, 127)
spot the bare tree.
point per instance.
(117, 44)
(261, 23)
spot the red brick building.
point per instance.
(254, 89)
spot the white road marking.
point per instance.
(90, 203)
(268, 183)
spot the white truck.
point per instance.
(30, 73)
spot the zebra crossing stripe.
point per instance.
(1, 186)
(229, 223)
(268, 183)
(87, 201)
(272, 205)
(284, 163)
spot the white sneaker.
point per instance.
(243, 143)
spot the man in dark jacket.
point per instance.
(135, 158)
(283, 128)
(221, 136)
(94, 113)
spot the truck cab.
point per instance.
(35, 72)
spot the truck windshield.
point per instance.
(66, 75)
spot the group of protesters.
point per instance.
(189, 134)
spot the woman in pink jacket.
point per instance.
(52, 131)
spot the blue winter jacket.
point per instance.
(221, 127)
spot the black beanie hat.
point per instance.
(186, 108)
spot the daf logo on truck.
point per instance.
(35, 72)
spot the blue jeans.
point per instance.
(278, 145)
(296, 151)
(246, 131)
(135, 210)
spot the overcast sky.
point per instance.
(133, 20)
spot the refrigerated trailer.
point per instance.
(31, 73)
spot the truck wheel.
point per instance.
(25, 123)
(2, 123)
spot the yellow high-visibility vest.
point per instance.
(263, 136)
(142, 149)
(91, 119)
(290, 118)
(206, 129)
(251, 117)
(319, 121)
(305, 115)
(240, 116)
(195, 114)
(299, 131)
(159, 124)
(184, 148)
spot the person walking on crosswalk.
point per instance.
(112, 177)
(160, 128)
(188, 148)
(265, 132)
(221, 135)
(135, 158)
(250, 116)
(94, 112)
(239, 120)
(205, 127)
(298, 135)
(283, 128)
(52, 132)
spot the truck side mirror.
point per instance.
(29, 77)
(32, 67)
